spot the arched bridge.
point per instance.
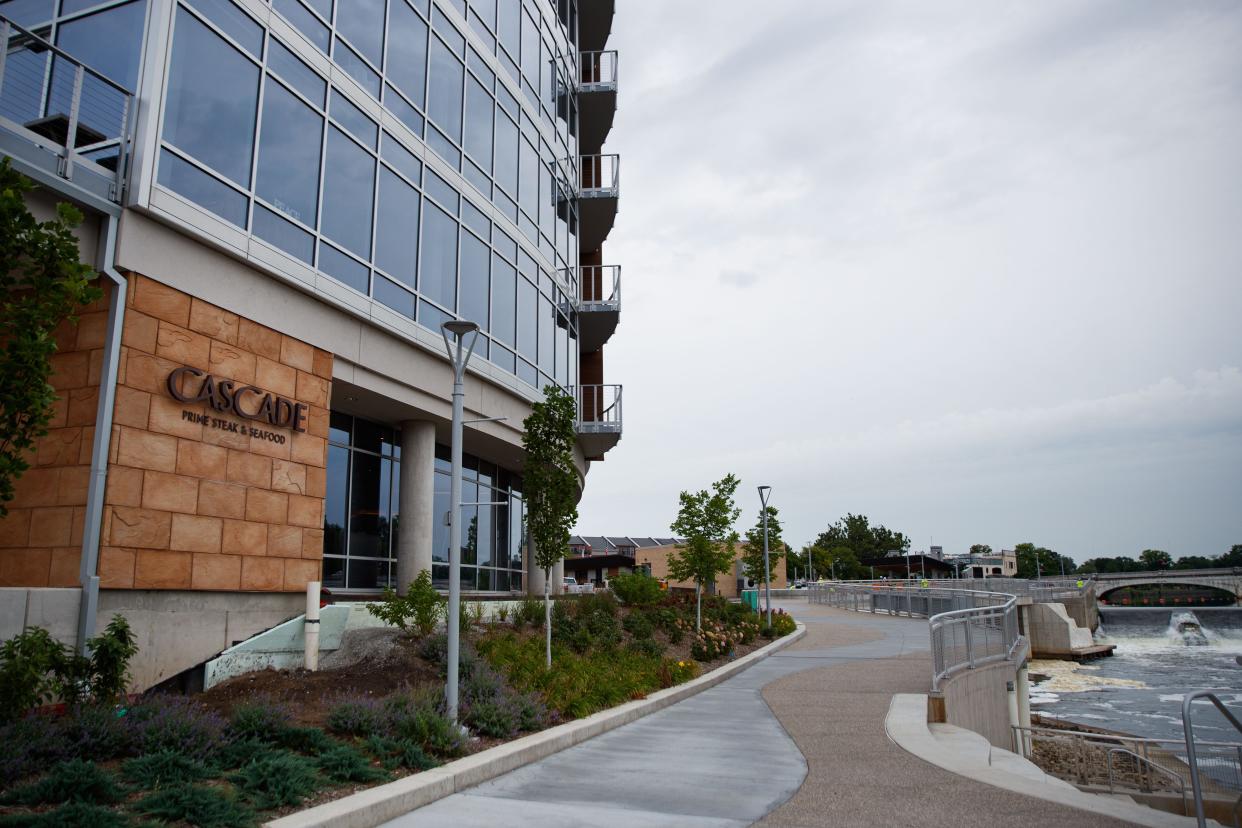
(1227, 580)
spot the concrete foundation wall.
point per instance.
(1051, 631)
(978, 700)
(1083, 610)
(177, 630)
(55, 610)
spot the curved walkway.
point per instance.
(722, 758)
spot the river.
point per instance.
(1139, 689)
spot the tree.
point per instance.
(752, 556)
(42, 283)
(855, 532)
(550, 485)
(1231, 558)
(1155, 559)
(980, 549)
(1049, 561)
(705, 521)
(1117, 564)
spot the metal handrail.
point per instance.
(1144, 762)
(16, 40)
(1192, 756)
(598, 69)
(601, 175)
(599, 406)
(591, 275)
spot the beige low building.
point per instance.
(727, 584)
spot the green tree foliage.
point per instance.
(1231, 558)
(42, 283)
(752, 555)
(420, 607)
(550, 485)
(1049, 561)
(856, 533)
(980, 549)
(1155, 559)
(1117, 564)
(705, 520)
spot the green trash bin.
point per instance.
(750, 597)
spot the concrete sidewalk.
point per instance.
(724, 758)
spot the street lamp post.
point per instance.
(764, 491)
(459, 355)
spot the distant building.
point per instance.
(992, 565)
(915, 565)
(594, 558)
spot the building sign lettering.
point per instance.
(247, 401)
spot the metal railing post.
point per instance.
(71, 137)
(4, 52)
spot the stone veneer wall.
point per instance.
(193, 507)
(41, 539)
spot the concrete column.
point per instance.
(417, 506)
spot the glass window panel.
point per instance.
(335, 503)
(444, 106)
(354, 120)
(364, 506)
(304, 22)
(562, 344)
(438, 275)
(407, 114)
(429, 316)
(348, 192)
(507, 154)
(480, 29)
(368, 436)
(234, 22)
(289, 148)
(486, 9)
(287, 236)
(29, 12)
(358, 69)
(401, 159)
(515, 532)
(547, 335)
(324, 7)
(440, 190)
(528, 188)
(443, 146)
(334, 573)
(440, 532)
(344, 268)
(211, 100)
(296, 73)
(367, 574)
(479, 66)
(110, 42)
(479, 112)
(396, 231)
(502, 357)
(477, 177)
(530, 49)
(475, 257)
(362, 22)
(392, 295)
(474, 219)
(509, 24)
(203, 189)
(505, 246)
(527, 307)
(340, 426)
(449, 32)
(407, 51)
(507, 102)
(504, 292)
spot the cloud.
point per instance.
(738, 278)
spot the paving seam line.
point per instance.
(906, 726)
(377, 805)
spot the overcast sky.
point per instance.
(973, 269)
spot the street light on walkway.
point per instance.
(764, 491)
(459, 355)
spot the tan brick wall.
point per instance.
(41, 539)
(726, 584)
(194, 507)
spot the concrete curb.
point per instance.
(906, 724)
(384, 802)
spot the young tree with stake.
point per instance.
(550, 485)
(705, 520)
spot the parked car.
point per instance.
(572, 586)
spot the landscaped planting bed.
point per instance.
(272, 742)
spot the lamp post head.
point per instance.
(764, 491)
(460, 327)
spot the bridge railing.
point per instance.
(968, 628)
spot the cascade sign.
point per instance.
(247, 401)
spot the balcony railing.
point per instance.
(598, 71)
(599, 287)
(65, 109)
(599, 408)
(601, 176)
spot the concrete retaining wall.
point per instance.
(1051, 631)
(53, 609)
(978, 700)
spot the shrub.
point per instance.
(176, 724)
(529, 612)
(647, 646)
(163, 768)
(75, 780)
(595, 603)
(492, 717)
(356, 717)
(242, 752)
(198, 805)
(343, 763)
(676, 672)
(399, 753)
(306, 740)
(638, 625)
(421, 607)
(419, 719)
(30, 745)
(109, 664)
(502, 612)
(95, 732)
(783, 622)
(637, 589)
(27, 662)
(70, 815)
(258, 720)
(278, 779)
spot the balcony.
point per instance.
(599, 305)
(594, 23)
(597, 199)
(63, 124)
(599, 419)
(597, 98)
